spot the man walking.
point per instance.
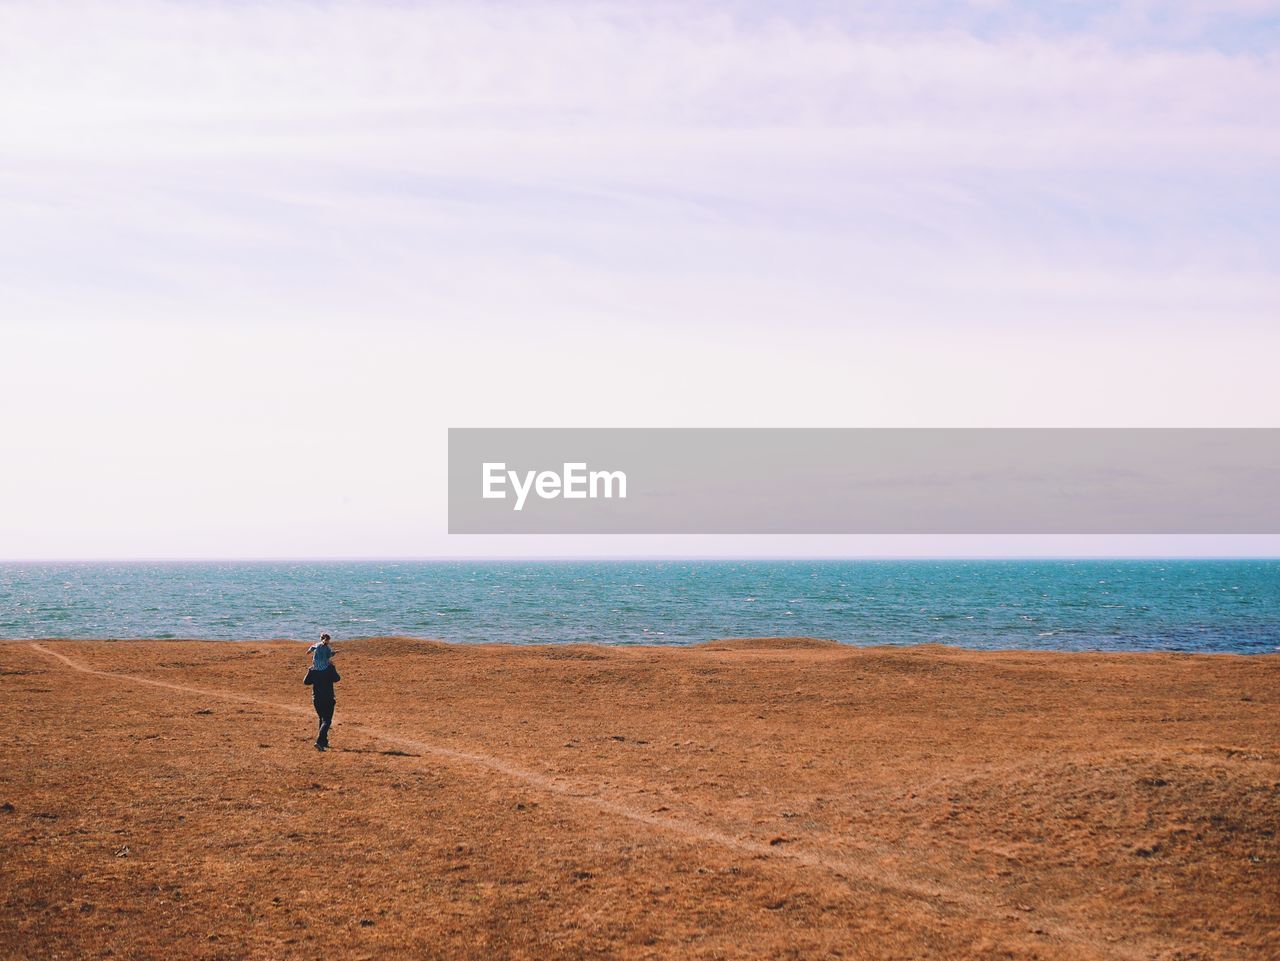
(321, 681)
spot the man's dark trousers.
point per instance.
(324, 711)
(321, 684)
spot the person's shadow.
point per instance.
(368, 750)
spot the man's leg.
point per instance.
(324, 710)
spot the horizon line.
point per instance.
(488, 559)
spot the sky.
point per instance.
(257, 257)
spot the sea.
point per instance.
(1094, 605)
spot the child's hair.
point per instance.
(324, 638)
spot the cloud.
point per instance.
(228, 133)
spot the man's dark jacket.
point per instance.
(321, 682)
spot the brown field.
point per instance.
(766, 799)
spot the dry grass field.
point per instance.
(761, 799)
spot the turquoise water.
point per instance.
(1215, 605)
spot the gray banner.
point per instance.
(863, 481)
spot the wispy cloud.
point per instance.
(213, 140)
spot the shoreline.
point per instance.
(779, 643)
(1231, 606)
